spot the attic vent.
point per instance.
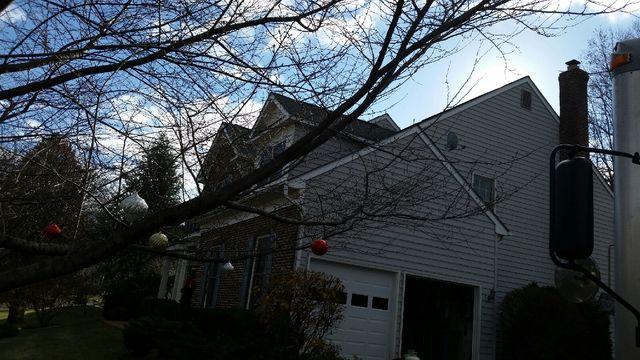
(525, 99)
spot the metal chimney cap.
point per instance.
(572, 64)
(631, 47)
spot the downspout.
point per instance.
(299, 187)
(492, 295)
(495, 263)
(609, 264)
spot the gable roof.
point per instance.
(313, 115)
(236, 135)
(486, 96)
(499, 227)
(419, 129)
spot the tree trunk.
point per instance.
(16, 314)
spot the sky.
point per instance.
(539, 57)
(425, 94)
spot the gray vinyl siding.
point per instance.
(500, 140)
(334, 149)
(455, 250)
(513, 144)
(517, 155)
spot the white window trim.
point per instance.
(254, 262)
(495, 188)
(285, 137)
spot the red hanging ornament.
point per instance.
(52, 231)
(319, 247)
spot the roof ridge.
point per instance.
(319, 107)
(475, 98)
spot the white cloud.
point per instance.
(614, 9)
(13, 14)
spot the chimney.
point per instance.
(574, 116)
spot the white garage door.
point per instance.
(366, 330)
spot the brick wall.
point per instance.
(235, 239)
(574, 114)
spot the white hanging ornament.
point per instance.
(134, 207)
(227, 266)
(158, 241)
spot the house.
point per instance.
(429, 226)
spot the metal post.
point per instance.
(620, 301)
(626, 104)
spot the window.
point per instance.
(359, 300)
(247, 272)
(342, 298)
(212, 279)
(226, 180)
(525, 99)
(485, 188)
(268, 154)
(380, 303)
(264, 257)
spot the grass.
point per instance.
(73, 335)
(5, 312)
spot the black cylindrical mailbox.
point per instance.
(573, 232)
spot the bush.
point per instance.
(160, 309)
(7, 331)
(124, 300)
(138, 336)
(299, 309)
(538, 324)
(226, 321)
(212, 334)
(293, 317)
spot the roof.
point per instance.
(478, 99)
(419, 129)
(314, 114)
(236, 130)
(236, 135)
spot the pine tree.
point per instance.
(40, 189)
(132, 276)
(156, 179)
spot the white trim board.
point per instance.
(358, 154)
(602, 180)
(420, 127)
(426, 123)
(499, 226)
(477, 100)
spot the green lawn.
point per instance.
(74, 335)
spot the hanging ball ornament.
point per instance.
(158, 241)
(134, 207)
(319, 247)
(52, 231)
(227, 266)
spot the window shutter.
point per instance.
(247, 272)
(266, 246)
(263, 264)
(212, 279)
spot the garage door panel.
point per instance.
(366, 330)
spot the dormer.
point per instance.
(271, 116)
(229, 157)
(385, 121)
